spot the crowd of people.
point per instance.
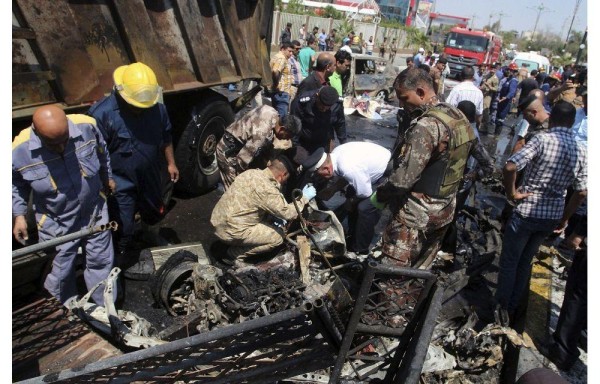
(83, 169)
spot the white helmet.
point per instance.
(421, 50)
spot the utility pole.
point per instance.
(473, 21)
(577, 3)
(581, 47)
(540, 8)
(490, 21)
(500, 15)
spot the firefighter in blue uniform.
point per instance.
(137, 130)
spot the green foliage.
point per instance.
(415, 38)
(333, 13)
(296, 7)
(344, 28)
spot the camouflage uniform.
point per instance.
(420, 219)
(241, 217)
(489, 87)
(247, 143)
(438, 81)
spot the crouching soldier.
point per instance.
(248, 142)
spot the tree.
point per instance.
(333, 13)
(296, 7)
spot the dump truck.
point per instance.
(65, 52)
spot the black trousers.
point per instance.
(362, 224)
(573, 313)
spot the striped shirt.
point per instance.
(466, 90)
(553, 160)
(296, 71)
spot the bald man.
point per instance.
(63, 161)
(324, 67)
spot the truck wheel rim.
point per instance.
(207, 160)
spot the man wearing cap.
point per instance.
(241, 217)
(248, 142)
(361, 165)
(429, 162)
(322, 115)
(438, 78)
(419, 58)
(137, 131)
(63, 163)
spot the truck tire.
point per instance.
(195, 152)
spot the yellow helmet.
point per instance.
(137, 85)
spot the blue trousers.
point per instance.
(522, 239)
(281, 102)
(99, 260)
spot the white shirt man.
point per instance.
(466, 90)
(361, 164)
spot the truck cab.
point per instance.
(468, 47)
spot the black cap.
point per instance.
(312, 159)
(526, 101)
(289, 165)
(328, 96)
(443, 60)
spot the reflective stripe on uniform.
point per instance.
(23, 137)
(81, 119)
(42, 220)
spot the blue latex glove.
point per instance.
(309, 192)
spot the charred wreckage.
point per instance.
(308, 315)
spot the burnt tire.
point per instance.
(195, 152)
(170, 276)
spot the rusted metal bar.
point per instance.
(63, 239)
(325, 316)
(353, 322)
(28, 77)
(23, 33)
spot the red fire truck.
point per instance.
(465, 46)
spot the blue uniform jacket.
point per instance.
(67, 187)
(135, 141)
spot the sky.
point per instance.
(520, 15)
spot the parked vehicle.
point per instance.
(532, 61)
(464, 47)
(371, 75)
(64, 53)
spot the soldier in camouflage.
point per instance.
(429, 162)
(248, 142)
(242, 217)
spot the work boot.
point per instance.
(143, 269)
